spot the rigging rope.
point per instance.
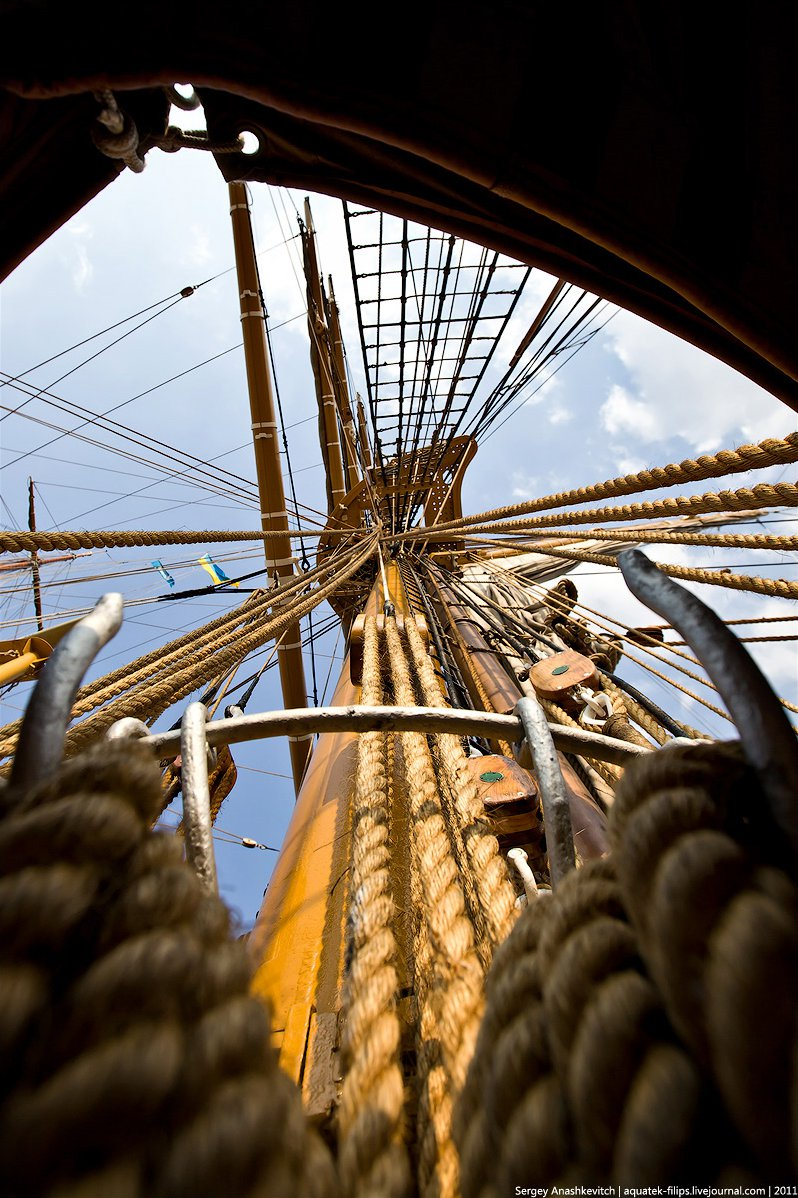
(372, 1153)
(743, 500)
(779, 587)
(26, 542)
(770, 452)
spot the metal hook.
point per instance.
(41, 739)
(554, 800)
(766, 735)
(196, 796)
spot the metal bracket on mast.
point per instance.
(553, 797)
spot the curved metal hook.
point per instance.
(553, 798)
(766, 735)
(196, 795)
(41, 739)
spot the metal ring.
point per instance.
(41, 740)
(766, 735)
(553, 797)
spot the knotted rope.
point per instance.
(134, 1061)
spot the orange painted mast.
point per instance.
(280, 561)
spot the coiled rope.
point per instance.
(640, 1025)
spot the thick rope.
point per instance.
(158, 665)
(578, 1078)
(163, 659)
(372, 1155)
(134, 1062)
(743, 500)
(152, 701)
(656, 536)
(771, 452)
(494, 890)
(713, 899)
(643, 1031)
(779, 587)
(455, 981)
(19, 541)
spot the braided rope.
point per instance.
(779, 587)
(495, 892)
(742, 500)
(372, 1156)
(152, 701)
(770, 452)
(134, 1061)
(458, 974)
(19, 541)
(667, 537)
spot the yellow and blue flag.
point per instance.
(217, 574)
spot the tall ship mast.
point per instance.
(531, 925)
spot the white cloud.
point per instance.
(524, 486)
(622, 413)
(199, 249)
(80, 265)
(559, 414)
(677, 389)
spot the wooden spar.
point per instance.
(342, 391)
(34, 559)
(274, 515)
(363, 432)
(23, 563)
(323, 367)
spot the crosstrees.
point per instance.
(432, 311)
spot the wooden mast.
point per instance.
(34, 559)
(274, 515)
(322, 360)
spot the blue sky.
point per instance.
(633, 397)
